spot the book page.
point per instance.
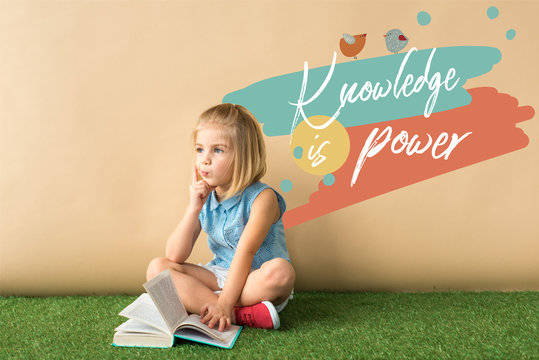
(193, 335)
(193, 321)
(163, 293)
(143, 309)
(137, 326)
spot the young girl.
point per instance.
(243, 219)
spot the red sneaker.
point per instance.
(262, 315)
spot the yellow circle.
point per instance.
(320, 151)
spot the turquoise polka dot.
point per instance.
(286, 185)
(423, 18)
(298, 152)
(493, 12)
(329, 180)
(510, 34)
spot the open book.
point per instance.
(158, 317)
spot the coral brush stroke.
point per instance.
(491, 117)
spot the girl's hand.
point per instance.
(200, 190)
(215, 313)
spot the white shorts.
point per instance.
(221, 274)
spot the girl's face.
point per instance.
(214, 158)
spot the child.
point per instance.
(243, 220)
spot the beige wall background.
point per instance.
(98, 98)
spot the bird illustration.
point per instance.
(351, 45)
(395, 40)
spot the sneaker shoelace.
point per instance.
(247, 319)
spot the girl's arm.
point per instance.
(264, 212)
(180, 243)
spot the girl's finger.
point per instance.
(207, 188)
(223, 324)
(200, 189)
(195, 177)
(207, 314)
(212, 322)
(207, 318)
(203, 311)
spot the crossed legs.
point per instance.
(273, 282)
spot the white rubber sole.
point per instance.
(274, 314)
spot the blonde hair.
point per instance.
(241, 128)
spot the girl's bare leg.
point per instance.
(273, 282)
(195, 285)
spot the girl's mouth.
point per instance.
(203, 173)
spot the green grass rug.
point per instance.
(453, 325)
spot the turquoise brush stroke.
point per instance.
(269, 99)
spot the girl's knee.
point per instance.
(279, 274)
(155, 267)
(160, 264)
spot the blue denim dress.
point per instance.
(225, 221)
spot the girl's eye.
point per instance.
(218, 150)
(199, 150)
